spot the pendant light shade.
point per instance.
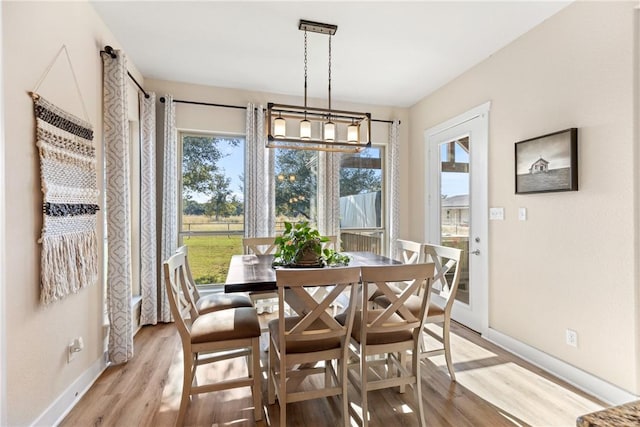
(329, 131)
(305, 129)
(279, 127)
(353, 133)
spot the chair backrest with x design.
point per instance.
(396, 316)
(315, 321)
(259, 245)
(409, 252)
(447, 271)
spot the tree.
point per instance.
(218, 203)
(294, 196)
(200, 169)
(356, 181)
(191, 207)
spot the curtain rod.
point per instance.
(112, 53)
(209, 104)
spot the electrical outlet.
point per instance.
(572, 338)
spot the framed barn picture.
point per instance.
(547, 163)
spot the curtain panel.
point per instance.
(116, 152)
(169, 242)
(149, 286)
(329, 193)
(394, 187)
(259, 186)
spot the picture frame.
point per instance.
(547, 163)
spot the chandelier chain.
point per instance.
(305, 74)
(329, 73)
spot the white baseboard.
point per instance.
(585, 381)
(54, 414)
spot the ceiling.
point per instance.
(384, 53)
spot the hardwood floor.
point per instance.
(494, 388)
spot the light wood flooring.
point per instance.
(493, 388)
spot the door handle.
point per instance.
(476, 252)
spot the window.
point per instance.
(212, 202)
(296, 184)
(362, 200)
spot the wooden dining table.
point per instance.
(254, 273)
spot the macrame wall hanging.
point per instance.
(69, 258)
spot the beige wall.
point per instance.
(37, 336)
(572, 264)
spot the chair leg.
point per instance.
(282, 392)
(271, 388)
(363, 389)
(403, 362)
(256, 376)
(343, 366)
(187, 380)
(447, 348)
(415, 361)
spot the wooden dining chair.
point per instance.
(307, 343)
(409, 252)
(211, 302)
(391, 331)
(444, 288)
(210, 338)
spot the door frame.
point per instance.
(479, 194)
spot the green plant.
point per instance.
(301, 244)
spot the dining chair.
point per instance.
(408, 252)
(308, 343)
(391, 332)
(210, 338)
(211, 302)
(263, 301)
(444, 286)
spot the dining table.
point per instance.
(255, 273)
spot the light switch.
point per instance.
(496, 214)
(522, 214)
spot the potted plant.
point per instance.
(300, 245)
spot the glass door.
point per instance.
(457, 206)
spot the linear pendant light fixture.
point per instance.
(320, 129)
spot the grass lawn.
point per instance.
(209, 256)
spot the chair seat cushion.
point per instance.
(232, 323)
(378, 337)
(215, 302)
(413, 304)
(302, 346)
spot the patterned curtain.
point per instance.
(394, 186)
(329, 193)
(148, 251)
(169, 242)
(259, 187)
(116, 152)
